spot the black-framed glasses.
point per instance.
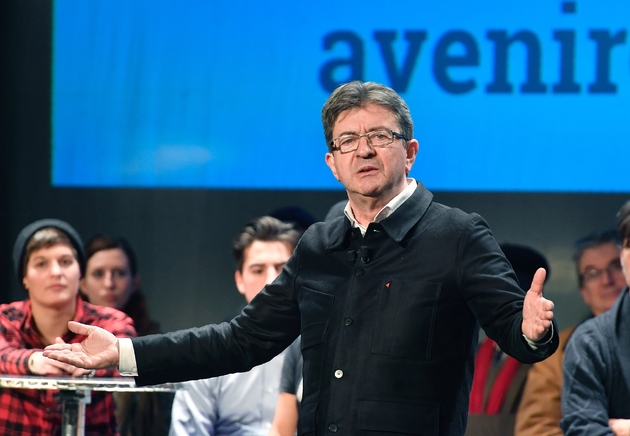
(376, 138)
(592, 274)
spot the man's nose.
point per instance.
(364, 149)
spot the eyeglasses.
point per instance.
(592, 274)
(376, 138)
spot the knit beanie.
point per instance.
(27, 232)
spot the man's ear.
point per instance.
(412, 151)
(330, 161)
(238, 278)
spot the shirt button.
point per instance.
(339, 373)
(348, 321)
(360, 272)
(333, 428)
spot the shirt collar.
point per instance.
(388, 209)
(29, 323)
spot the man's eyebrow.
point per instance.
(352, 132)
(347, 132)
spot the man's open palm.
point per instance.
(97, 351)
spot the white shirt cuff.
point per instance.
(126, 358)
(533, 345)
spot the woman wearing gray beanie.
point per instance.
(49, 262)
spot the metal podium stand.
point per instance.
(75, 393)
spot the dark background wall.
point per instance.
(182, 237)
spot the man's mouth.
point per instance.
(367, 169)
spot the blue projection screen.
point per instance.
(506, 96)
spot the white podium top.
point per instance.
(109, 384)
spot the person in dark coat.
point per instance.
(596, 368)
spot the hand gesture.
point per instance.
(97, 351)
(40, 365)
(537, 310)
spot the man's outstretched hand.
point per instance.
(537, 310)
(40, 365)
(97, 351)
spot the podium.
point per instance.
(75, 393)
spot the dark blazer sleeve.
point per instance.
(492, 292)
(265, 327)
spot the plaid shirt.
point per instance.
(33, 411)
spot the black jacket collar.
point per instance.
(397, 225)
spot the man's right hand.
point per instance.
(98, 350)
(40, 365)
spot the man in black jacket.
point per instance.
(388, 298)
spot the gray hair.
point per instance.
(359, 94)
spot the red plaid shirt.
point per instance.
(33, 411)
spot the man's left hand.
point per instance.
(537, 310)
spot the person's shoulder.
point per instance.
(451, 211)
(14, 310)
(20, 304)
(585, 329)
(113, 320)
(323, 232)
(591, 346)
(103, 312)
(592, 333)
(603, 321)
(423, 199)
(453, 218)
(326, 226)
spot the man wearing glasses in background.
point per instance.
(388, 299)
(601, 281)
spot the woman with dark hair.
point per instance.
(49, 261)
(112, 279)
